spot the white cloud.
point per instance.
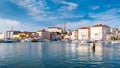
(76, 25)
(110, 17)
(38, 9)
(30, 27)
(33, 7)
(70, 5)
(86, 23)
(107, 15)
(6, 24)
(95, 7)
(66, 5)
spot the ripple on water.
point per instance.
(58, 55)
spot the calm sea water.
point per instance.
(58, 55)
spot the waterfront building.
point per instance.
(114, 34)
(43, 34)
(55, 29)
(74, 35)
(109, 37)
(69, 32)
(118, 36)
(17, 36)
(84, 33)
(99, 32)
(1, 36)
(55, 36)
(10, 34)
(67, 37)
(35, 34)
(114, 30)
(23, 35)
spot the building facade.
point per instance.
(23, 35)
(74, 35)
(1, 36)
(10, 34)
(99, 32)
(55, 29)
(43, 34)
(114, 34)
(84, 33)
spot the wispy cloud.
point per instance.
(34, 8)
(107, 15)
(40, 10)
(68, 6)
(69, 11)
(6, 24)
(95, 7)
(75, 25)
(111, 17)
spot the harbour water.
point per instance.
(58, 55)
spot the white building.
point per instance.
(43, 34)
(55, 29)
(99, 32)
(35, 35)
(114, 30)
(74, 35)
(67, 37)
(84, 33)
(1, 36)
(9, 34)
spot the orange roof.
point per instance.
(41, 30)
(85, 28)
(100, 25)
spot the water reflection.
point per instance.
(58, 54)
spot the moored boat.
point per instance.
(8, 40)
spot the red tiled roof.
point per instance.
(100, 25)
(84, 28)
(41, 30)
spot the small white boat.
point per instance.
(75, 41)
(8, 40)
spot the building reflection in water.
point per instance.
(58, 53)
(96, 54)
(83, 52)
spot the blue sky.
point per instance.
(31, 15)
